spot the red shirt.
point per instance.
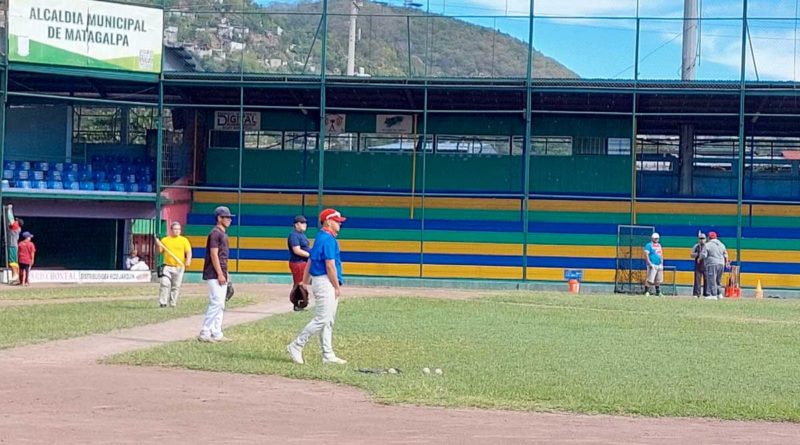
(26, 251)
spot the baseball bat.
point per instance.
(175, 257)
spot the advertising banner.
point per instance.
(229, 120)
(394, 123)
(90, 276)
(86, 34)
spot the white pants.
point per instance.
(170, 285)
(324, 316)
(655, 274)
(212, 324)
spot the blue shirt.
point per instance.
(654, 251)
(297, 239)
(325, 248)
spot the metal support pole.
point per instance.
(159, 155)
(424, 179)
(322, 88)
(740, 169)
(634, 121)
(239, 190)
(526, 145)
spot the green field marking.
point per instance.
(43, 322)
(539, 352)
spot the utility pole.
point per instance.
(691, 24)
(351, 42)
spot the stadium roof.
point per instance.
(662, 106)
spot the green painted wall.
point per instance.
(444, 172)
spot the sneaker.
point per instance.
(647, 294)
(220, 339)
(711, 297)
(695, 296)
(162, 305)
(334, 361)
(659, 294)
(298, 309)
(205, 339)
(295, 353)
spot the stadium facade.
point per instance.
(452, 177)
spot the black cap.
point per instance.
(223, 211)
(300, 219)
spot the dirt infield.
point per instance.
(57, 393)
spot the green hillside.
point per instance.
(287, 40)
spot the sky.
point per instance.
(597, 38)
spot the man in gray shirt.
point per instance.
(715, 260)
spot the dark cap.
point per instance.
(223, 211)
(26, 235)
(300, 219)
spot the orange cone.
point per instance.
(759, 291)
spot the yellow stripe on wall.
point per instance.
(580, 206)
(474, 272)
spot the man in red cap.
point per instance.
(324, 273)
(715, 259)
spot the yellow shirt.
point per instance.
(179, 246)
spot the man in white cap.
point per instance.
(654, 256)
(699, 287)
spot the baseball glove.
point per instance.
(229, 292)
(299, 296)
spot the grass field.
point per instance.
(543, 352)
(41, 322)
(82, 291)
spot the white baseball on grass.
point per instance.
(438, 371)
(426, 370)
(392, 371)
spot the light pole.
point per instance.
(351, 42)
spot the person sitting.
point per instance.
(134, 263)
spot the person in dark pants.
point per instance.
(298, 254)
(27, 254)
(700, 287)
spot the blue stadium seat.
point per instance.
(55, 175)
(130, 178)
(71, 176)
(42, 166)
(116, 177)
(9, 165)
(87, 185)
(38, 175)
(8, 174)
(58, 166)
(23, 175)
(71, 167)
(99, 175)
(24, 165)
(145, 187)
(72, 185)
(55, 185)
(104, 186)
(6, 184)
(132, 187)
(39, 184)
(119, 187)
(24, 184)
